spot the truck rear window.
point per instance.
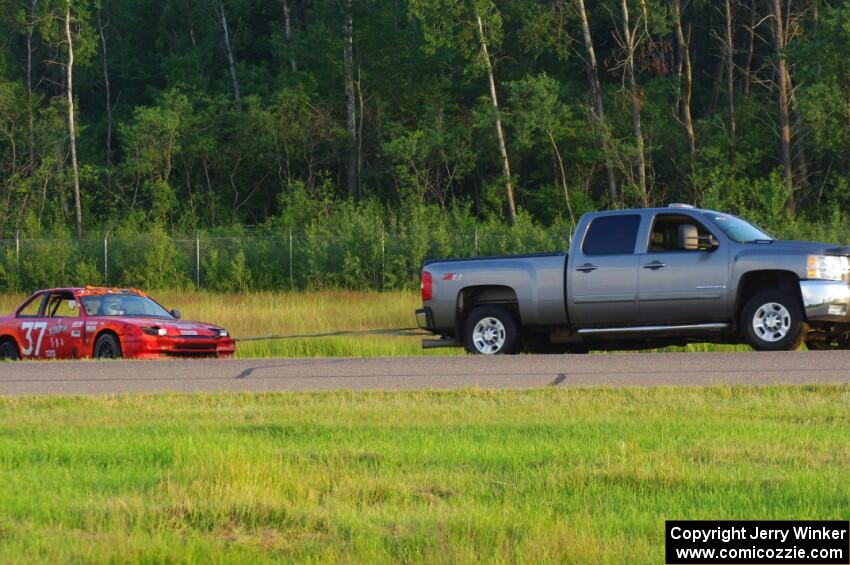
(612, 235)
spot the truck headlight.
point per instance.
(827, 267)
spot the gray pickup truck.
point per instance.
(646, 278)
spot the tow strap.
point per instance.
(400, 332)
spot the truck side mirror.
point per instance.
(710, 242)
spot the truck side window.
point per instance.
(664, 237)
(612, 235)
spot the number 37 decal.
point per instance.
(28, 327)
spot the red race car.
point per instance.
(105, 323)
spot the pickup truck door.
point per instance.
(679, 285)
(602, 273)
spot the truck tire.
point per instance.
(107, 347)
(772, 320)
(490, 330)
(9, 351)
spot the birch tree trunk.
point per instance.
(729, 49)
(598, 107)
(685, 74)
(287, 32)
(796, 119)
(350, 100)
(231, 62)
(782, 100)
(503, 149)
(630, 39)
(751, 47)
(563, 177)
(72, 127)
(30, 116)
(100, 28)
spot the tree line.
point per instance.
(191, 114)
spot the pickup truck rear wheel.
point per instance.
(772, 320)
(490, 330)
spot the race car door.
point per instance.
(63, 338)
(31, 326)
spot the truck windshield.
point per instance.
(738, 230)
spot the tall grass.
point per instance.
(549, 476)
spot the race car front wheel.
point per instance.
(107, 347)
(9, 351)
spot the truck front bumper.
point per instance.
(826, 301)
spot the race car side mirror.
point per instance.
(175, 313)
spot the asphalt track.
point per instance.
(523, 371)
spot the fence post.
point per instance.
(198, 259)
(476, 240)
(291, 278)
(106, 259)
(17, 248)
(383, 258)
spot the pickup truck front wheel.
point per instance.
(773, 321)
(490, 330)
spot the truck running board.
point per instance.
(435, 343)
(640, 329)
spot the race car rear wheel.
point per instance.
(107, 347)
(9, 351)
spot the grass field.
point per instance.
(556, 475)
(258, 314)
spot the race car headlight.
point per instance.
(161, 332)
(223, 333)
(827, 267)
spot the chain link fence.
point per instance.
(253, 261)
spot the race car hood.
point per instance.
(175, 328)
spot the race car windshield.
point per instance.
(123, 305)
(738, 230)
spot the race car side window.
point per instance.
(62, 305)
(32, 309)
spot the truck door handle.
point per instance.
(655, 265)
(586, 268)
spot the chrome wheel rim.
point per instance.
(488, 337)
(772, 322)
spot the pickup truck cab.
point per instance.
(644, 278)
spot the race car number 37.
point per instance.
(28, 327)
